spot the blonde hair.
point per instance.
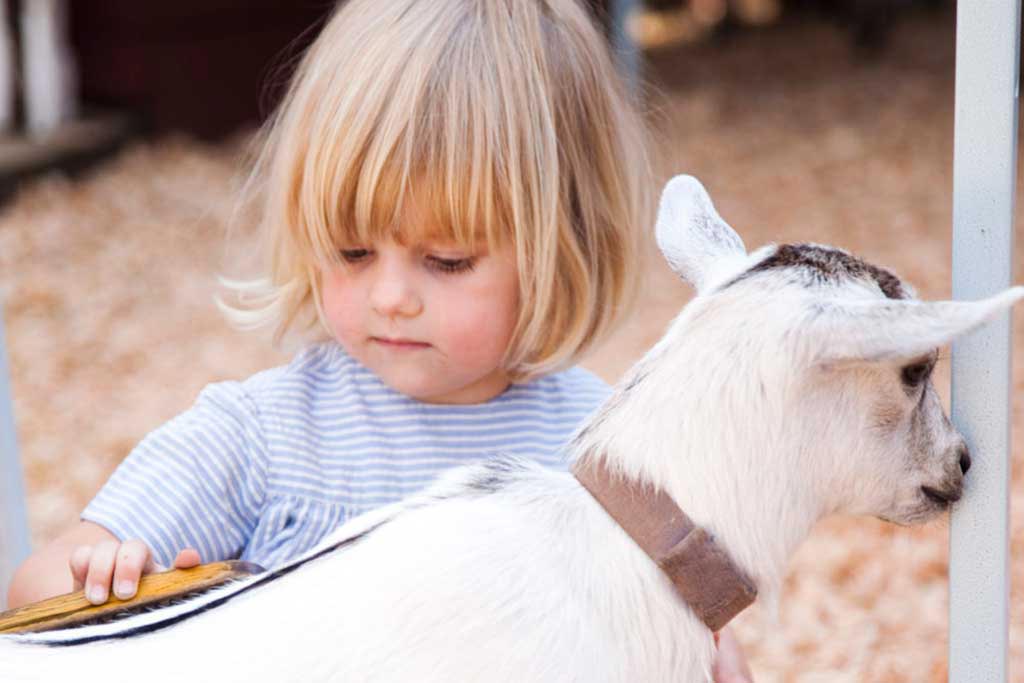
(506, 118)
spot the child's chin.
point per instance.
(421, 389)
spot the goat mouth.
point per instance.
(941, 498)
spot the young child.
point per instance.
(452, 196)
(452, 192)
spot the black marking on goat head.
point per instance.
(828, 265)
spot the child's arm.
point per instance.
(198, 481)
(46, 572)
(86, 555)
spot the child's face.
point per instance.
(432, 320)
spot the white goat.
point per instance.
(795, 385)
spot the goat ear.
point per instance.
(694, 239)
(899, 330)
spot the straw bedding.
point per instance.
(111, 330)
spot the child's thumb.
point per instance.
(189, 557)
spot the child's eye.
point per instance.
(450, 265)
(354, 255)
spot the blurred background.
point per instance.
(126, 127)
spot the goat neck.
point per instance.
(706, 424)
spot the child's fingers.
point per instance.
(111, 567)
(189, 557)
(132, 558)
(101, 570)
(152, 566)
(78, 562)
(730, 662)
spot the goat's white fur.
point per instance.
(751, 412)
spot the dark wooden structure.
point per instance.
(204, 66)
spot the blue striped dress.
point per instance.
(262, 469)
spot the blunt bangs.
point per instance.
(428, 139)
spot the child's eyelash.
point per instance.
(354, 255)
(445, 265)
(438, 263)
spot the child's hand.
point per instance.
(730, 664)
(98, 568)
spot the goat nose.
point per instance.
(965, 459)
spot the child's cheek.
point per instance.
(479, 323)
(340, 308)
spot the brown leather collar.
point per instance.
(701, 571)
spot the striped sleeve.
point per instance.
(198, 481)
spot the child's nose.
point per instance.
(394, 295)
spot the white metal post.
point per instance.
(14, 539)
(7, 71)
(984, 176)
(49, 72)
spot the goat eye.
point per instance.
(916, 374)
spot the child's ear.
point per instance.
(694, 239)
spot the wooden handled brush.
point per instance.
(72, 609)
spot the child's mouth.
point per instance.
(400, 344)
